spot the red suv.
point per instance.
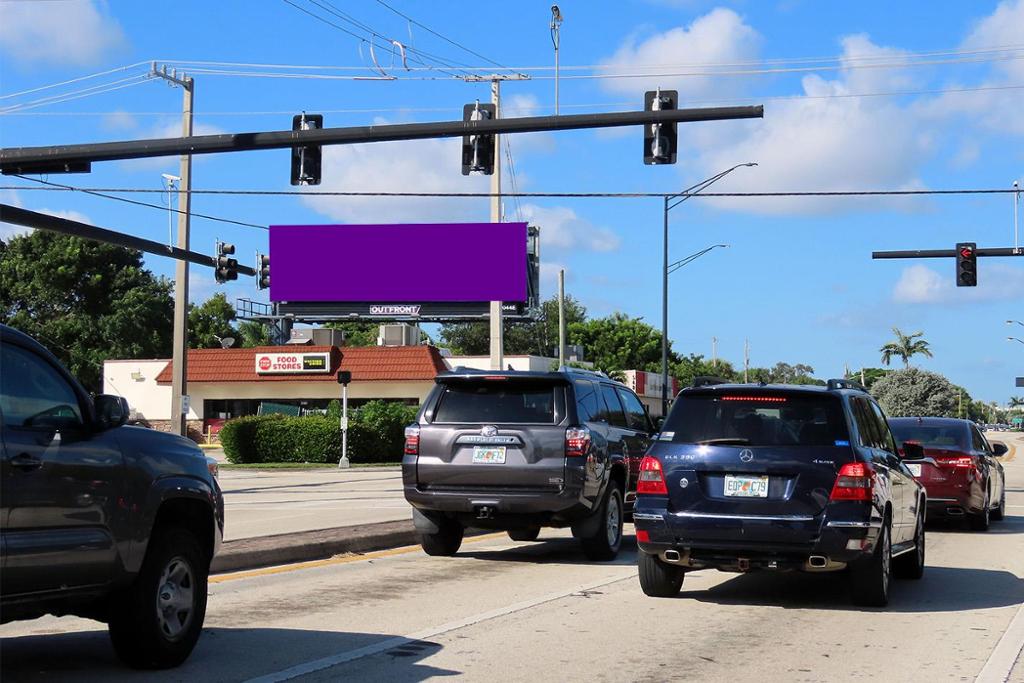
(959, 468)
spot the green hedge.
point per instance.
(376, 433)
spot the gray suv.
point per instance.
(517, 451)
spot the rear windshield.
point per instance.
(949, 437)
(497, 401)
(756, 420)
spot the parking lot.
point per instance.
(501, 610)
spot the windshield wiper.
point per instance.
(731, 440)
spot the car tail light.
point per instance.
(652, 479)
(412, 440)
(577, 442)
(958, 461)
(643, 536)
(856, 481)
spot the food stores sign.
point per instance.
(292, 363)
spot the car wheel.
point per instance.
(524, 534)
(446, 542)
(158, 619)
(911, 565)
(604, 542)
(870, 576)
(659, 579)
(1000, 512)
(980, 521)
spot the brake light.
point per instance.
(652, 479)
(756, 399)
(960, 461)
(856, 481)
(412, 440)
(577, 442)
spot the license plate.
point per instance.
(915, 469)
(489, 455)
(746, 487)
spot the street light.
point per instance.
(671, 202)
(1010, 322)
(673, 267)
(1015, 339)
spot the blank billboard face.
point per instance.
(398, 262)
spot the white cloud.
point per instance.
(919, 284)
(416, 166)
(79, 32)
(720, 36)
(119, 120)
(562, 229)
(518, 106)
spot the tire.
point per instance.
(157, 621)
(870, 576)
(980, 521)
(911, 565)
(606, 540)
(658, 579)
(524, 534)
(1000, 512)
(446, 542)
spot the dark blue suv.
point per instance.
(781, 477)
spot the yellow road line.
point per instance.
(340, 559)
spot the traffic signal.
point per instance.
(478, 150)
(966, 264)
(227, 267)
(660, 139)
(262, 271)
(306, 160)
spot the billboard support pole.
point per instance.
(497, 326)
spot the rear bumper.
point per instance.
(777, 542)
(954, 500)
(502, 508)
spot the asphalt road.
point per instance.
(540, 612)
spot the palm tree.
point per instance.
(1016, 402)
(905, 347)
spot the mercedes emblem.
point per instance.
(489, 430)
(746, 455)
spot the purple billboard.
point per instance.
(398, 263)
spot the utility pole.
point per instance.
(179, 362)
(496, 318)
(714, 352)
(1016, 201)
(561, 317)
(497, 322)
(746, 361)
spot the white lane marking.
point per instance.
(1000, 663)
(343, 657)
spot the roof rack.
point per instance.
(707, 381)
(834, 384)
(582, 371)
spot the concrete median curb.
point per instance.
(264, 551)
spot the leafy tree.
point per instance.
(538, 337)
(358, 333)
(86, 301)
(868, 376)
(618, 342)
(1016, 402)
(210, 320)
(905, 347)
(917, 393)
(695, 365)
(251, 333)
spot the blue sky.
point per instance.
(798, 280)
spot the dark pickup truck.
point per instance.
(517, 451)
(99, 519)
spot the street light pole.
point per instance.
(1016, 339)
(679, 198)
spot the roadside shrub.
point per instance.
(376, 434)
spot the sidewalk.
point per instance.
(282, 516)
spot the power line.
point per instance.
(96, 193)
(79, 94)
(538, 107)
(577, 195)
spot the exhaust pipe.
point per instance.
(820, 563)
(672, 555)
(955, 511)
(817, 561)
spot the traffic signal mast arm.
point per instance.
(60, 158)
(945, 253)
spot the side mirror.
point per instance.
(998, 448)
(912, 451)
(111, 411)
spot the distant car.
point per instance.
(100, 519)
(747, 477)
(958, 466)
(517, 451)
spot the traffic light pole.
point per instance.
(496, 318)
